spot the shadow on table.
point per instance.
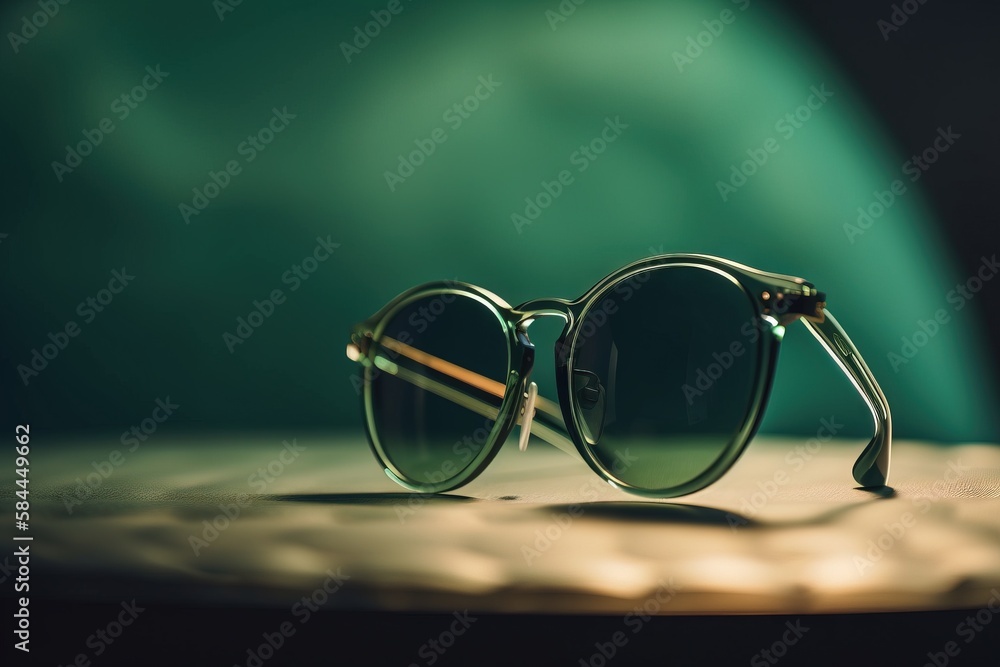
(638, 511)
(370, 498)
(683, 513)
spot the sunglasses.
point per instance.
(663, 370)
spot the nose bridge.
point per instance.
(538, 308)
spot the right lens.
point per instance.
(441, 363)
(664, 374)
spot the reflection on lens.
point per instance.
(437, 385)
(663, 374)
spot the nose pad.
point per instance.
(527, 415)
(590, 403)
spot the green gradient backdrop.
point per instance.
(654, 188)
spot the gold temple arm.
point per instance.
(471, 378)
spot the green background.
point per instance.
(653, 190)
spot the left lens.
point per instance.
(663, 375)
(436, 387)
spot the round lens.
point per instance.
(437, 385)
(663, 374)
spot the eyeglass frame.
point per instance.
(777, 300)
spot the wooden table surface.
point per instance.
(223, 519)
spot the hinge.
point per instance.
(790, 306)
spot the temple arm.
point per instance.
(872, 467)
(543, 405)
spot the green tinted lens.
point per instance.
(664, 374)
(437, 385)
